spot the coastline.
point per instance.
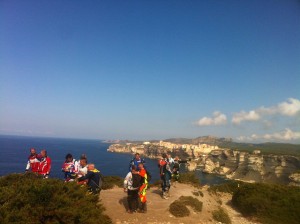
(250, 167)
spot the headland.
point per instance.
(217, 156)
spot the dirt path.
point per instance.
(115, 203)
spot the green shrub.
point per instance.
(269, 203)
(189, 178)
(221, 215)
(111, 181)
(27, 198)
(228, 187)
(178, 209)
(193, 202)
(201, 193)
(198, 193)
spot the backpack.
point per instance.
(136, 180)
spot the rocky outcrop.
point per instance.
(234, 164)
(153, 151)
(252, 167)
(295, 179)
(192, 166)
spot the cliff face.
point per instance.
(252, 167)
(149, 150)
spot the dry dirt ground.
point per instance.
(115, 203)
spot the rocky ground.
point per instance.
(114, 201)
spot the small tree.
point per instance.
(27, 198)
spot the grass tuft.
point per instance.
(189, 178)
(111, 181)
(221, 215)
(179, 207)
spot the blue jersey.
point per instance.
(136, 163)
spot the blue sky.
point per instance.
(151, 69)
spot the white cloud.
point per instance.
(217, 119)
(245, 116)
(290, 108)
(286, 135)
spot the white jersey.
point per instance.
(82, 170)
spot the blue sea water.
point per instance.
(14, 152)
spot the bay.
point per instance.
(14, 152)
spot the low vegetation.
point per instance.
(269, 203)
(111, 181)
(265, 148)
(221, 215)
(228, 187)
(179, 207)
(189, 178)
(198, 193)
(27, 198)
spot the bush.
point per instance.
(198, 193)
(189, 178)
(229, 187)
(27, 198)
(179, 207)
(269, 203)
(221, 215)
(201, 193)
(193, 202)
(111, 181)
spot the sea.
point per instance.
(14, 152)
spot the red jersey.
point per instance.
(45, 166)
(33, 163)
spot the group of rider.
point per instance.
(39, 163)
(135, 183)
(81, 171)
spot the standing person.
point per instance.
(164, 176)
(70, 168)
(132, 183)
(170, 164)
(170, 160)
(136, 161)
(45, 164)
(143, 188)
(176, 168)
(94, 179)
(33, 161)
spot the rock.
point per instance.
(252, 167)
(209, 166)
(295, 179)
(192, 166)
(232, 163)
